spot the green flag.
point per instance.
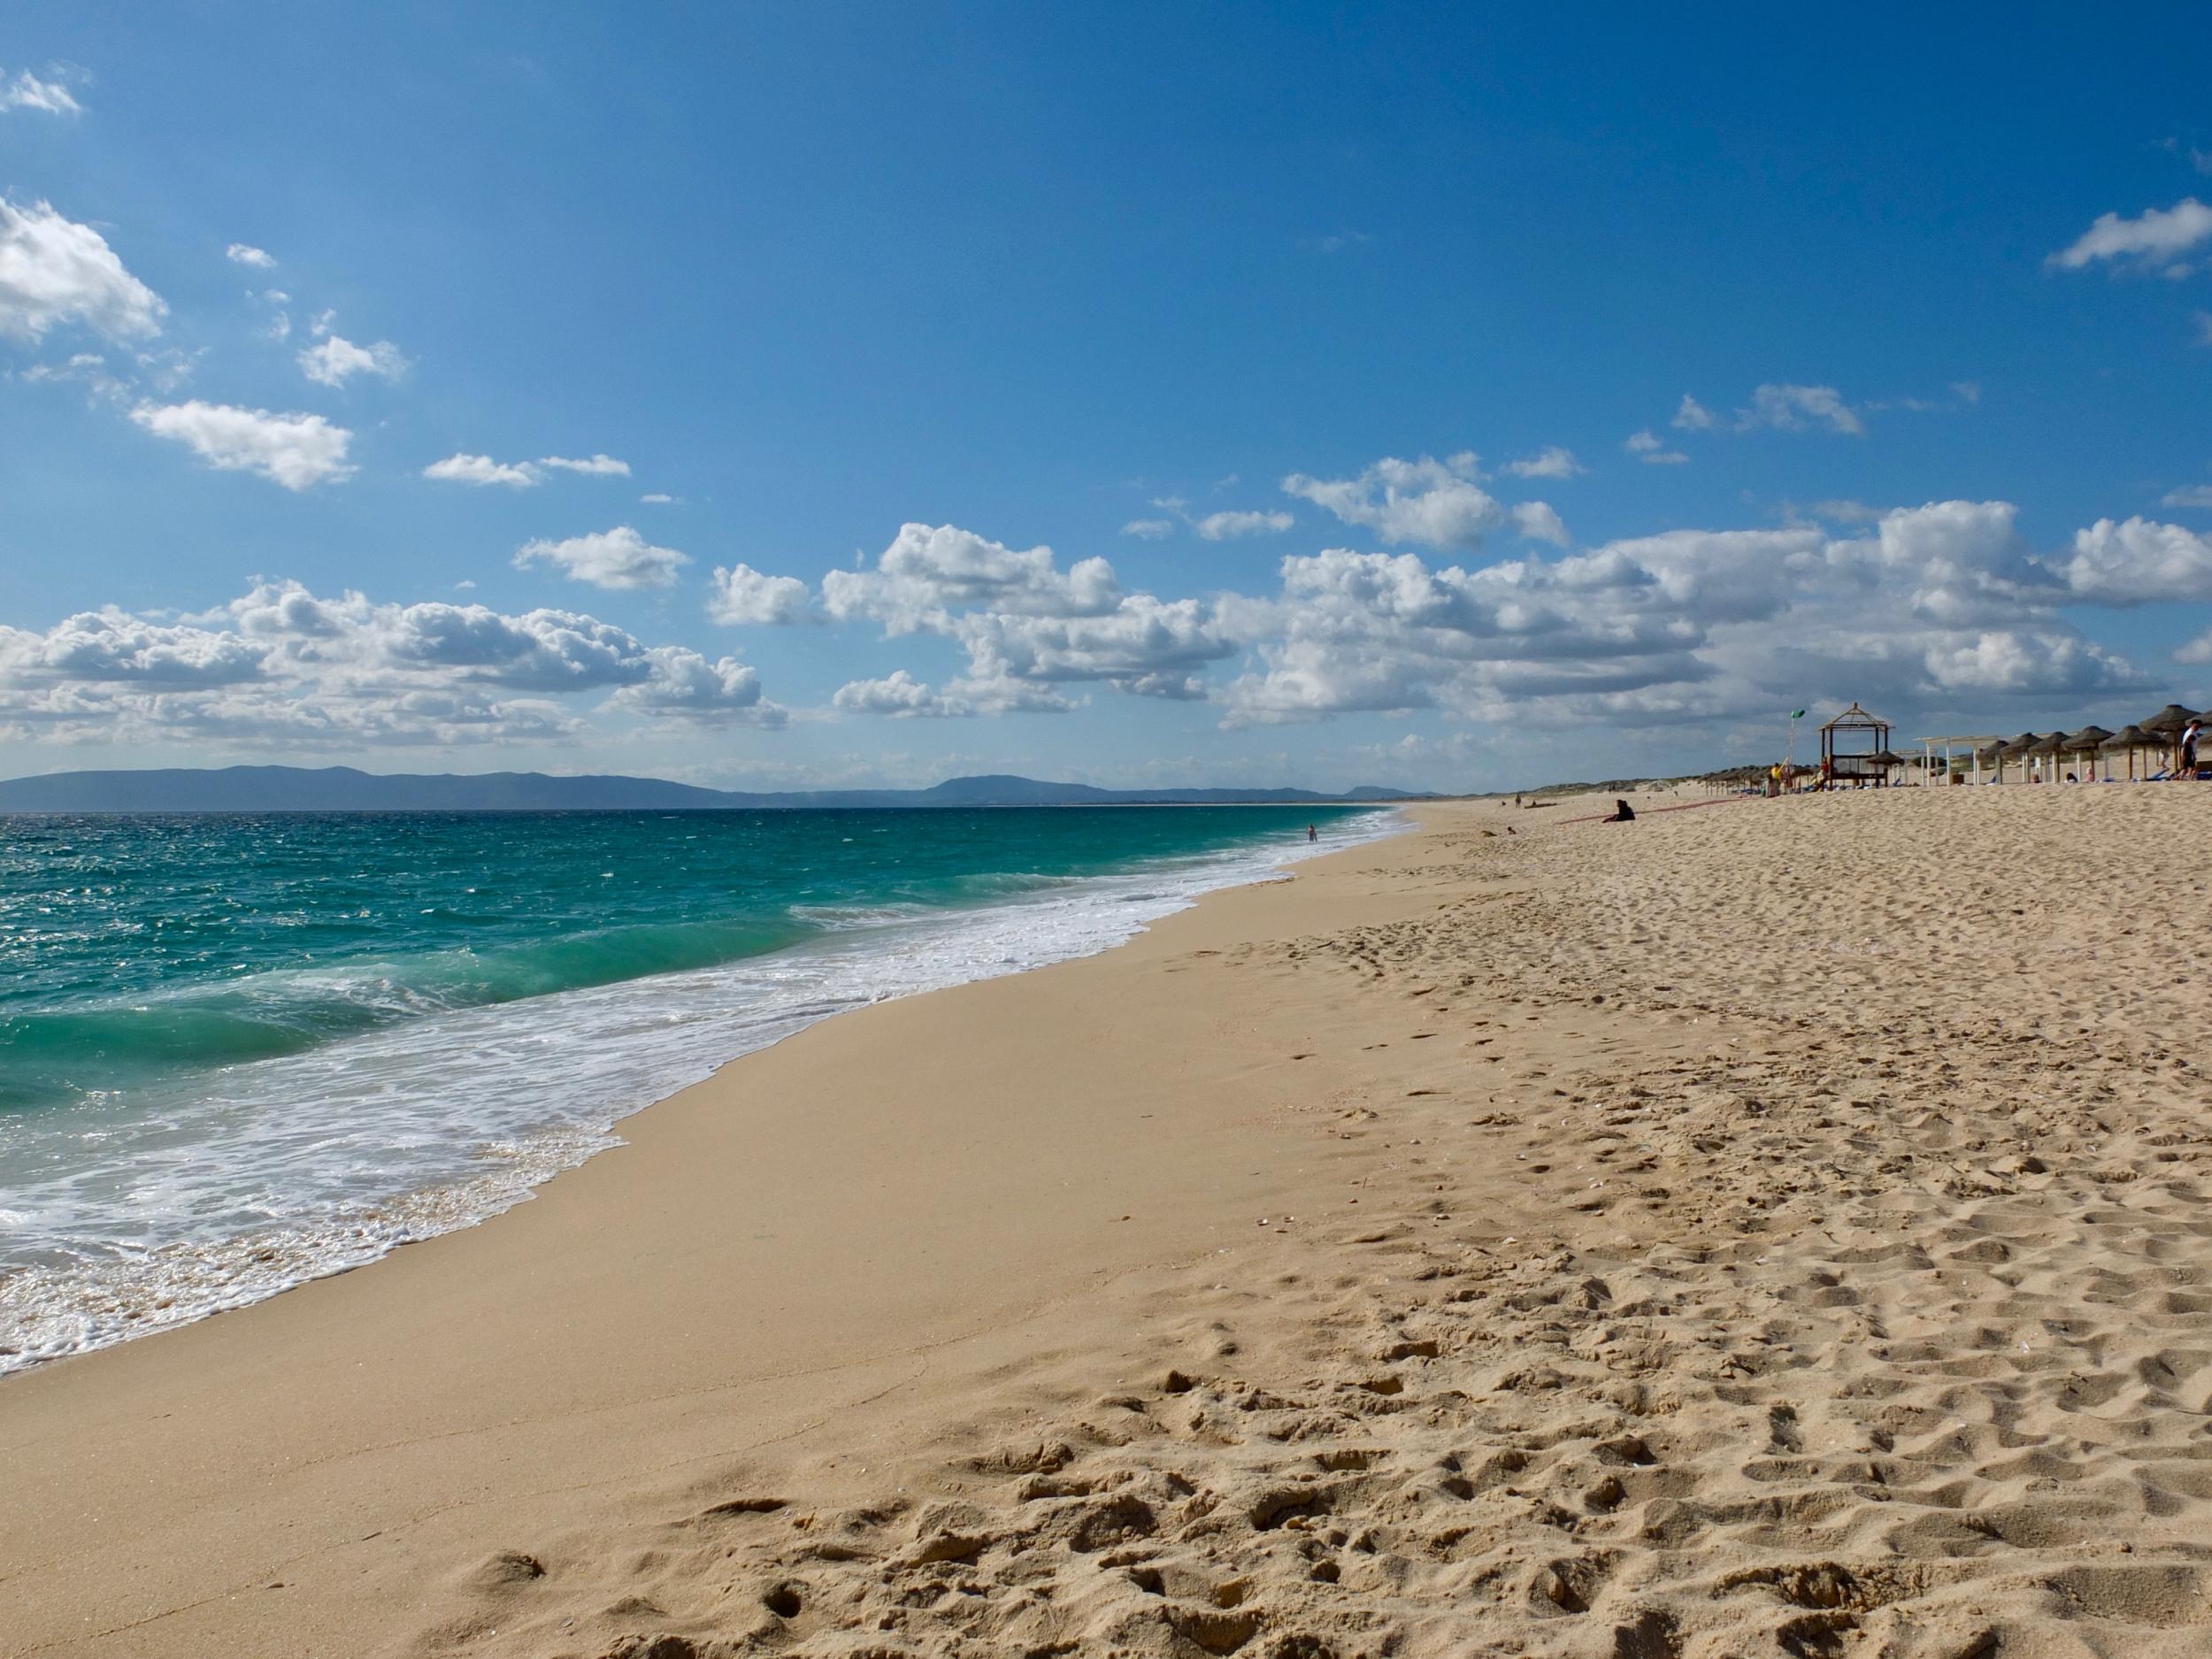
(1797, 714)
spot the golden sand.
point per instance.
(1774, 1229)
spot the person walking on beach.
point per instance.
(1312, 834)
(2189, 735)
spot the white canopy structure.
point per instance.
(1950, 746)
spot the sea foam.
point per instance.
(133, 1211)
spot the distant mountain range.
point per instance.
(344, 789)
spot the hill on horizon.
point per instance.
(349, 789)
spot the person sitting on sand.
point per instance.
(1622, 813)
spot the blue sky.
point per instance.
(1530, 394)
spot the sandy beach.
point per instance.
(1775, 1228)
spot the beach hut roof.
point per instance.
(2169, 719)
(2129, 737)
(2088, 737)
(1855, 716)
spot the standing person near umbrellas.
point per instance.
(2165, 729)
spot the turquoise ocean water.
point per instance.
(237, 1052)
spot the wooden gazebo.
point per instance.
(1852, 746)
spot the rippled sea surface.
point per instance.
(239, 1051)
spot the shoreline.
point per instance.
(106, 1303)
(265, 1390)
(1381, 803)
(1581, 1242)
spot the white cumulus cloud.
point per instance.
(1645, 446)
(1682, 628)
(1552, 462)
(1428, 503)
(1692, 626)
(2151, 238)
(899, 696)
(284, 667)
(742, 596)
(1791, 408)
(54, 270)
(1146, 645)
(246, 253)
(463, 468)
(683, 683)
(596, 466)
(2138, 562)
(296, 450)
(27, 91)
(333, 360)
(113, 647)
(1538, 522)
(930, 572)
(1029, 628)
(1226, 526)
(1690, 415)
(616, 558)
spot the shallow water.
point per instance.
(237, 1052)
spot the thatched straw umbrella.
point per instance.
(2018, 749)
(2165, 728)
(2131, 739)
(2053, 745)
(1994, 757)
(2086, 741)
(1888, 761)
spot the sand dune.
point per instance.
(1776, 1229)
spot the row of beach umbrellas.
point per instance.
(2160, 734)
